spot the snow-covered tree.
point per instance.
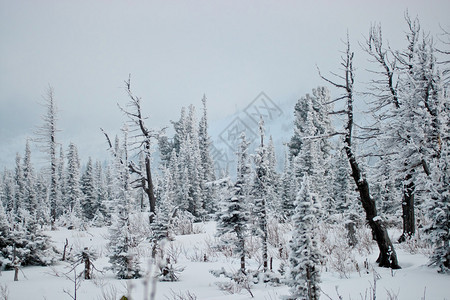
(5, 236)
(18, 187)
(207, 163)
(8, 192)
(288, 188)
(122, 245)
(29, 182)
(101, 197)
(438, 209)
(304, 257)
(310, 148)
(46, 136)
(406, 100)
(387, 256)
(73, 185)
(234, 216)
(89, 199)
(162, 225)
(24, 244)
(141, 141)
(261, 190)
(43, 207)
(61, 188)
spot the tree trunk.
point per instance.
(387, 257)
(87, 265)
(242, 247)
(409, 221)
(149, 189)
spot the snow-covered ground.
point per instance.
(414, 281)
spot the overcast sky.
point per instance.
(176, 51)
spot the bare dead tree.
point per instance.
(141, 137)
(387, 257)
(46, 139)
(389, 100)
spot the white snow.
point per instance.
(413, 281)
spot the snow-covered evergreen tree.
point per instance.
(73, 185)
(309, 147)
(5, 236)
(287, 190)
(123, 255)
(261, 190)
(29, 182)
(304, 258)
(207, 163)
(61, 188)
(439, 211)
(24, 244)
(100, 205)
(162, 226)
(343, 188)
(89, 199)
(43, 205)
(8, 192)
(234, 216)
(18, 187)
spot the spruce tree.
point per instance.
(123, 256)
(8, 191)
(29, 182)
(89, 199)
(100, 205)
(309, 147)
(18, 188)
(304, 257)
(287, 190)
(438, 209)
(260, 193)
(73, 185)
(207, 163)
(234, 216)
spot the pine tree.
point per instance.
(207, 163)
(101, 211)
(73, 185)
(24, 244)
(29, 182)
(123, 256)
(343, 188)
(5, 234)
(438, 210)
(287, 190)
(235, 216)
(260, 193)
(89, 198)
(304, 258)
(309, 147)
(43, 206)
(8, 192)
(18, 188)
(61, 188)
(161, 227)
